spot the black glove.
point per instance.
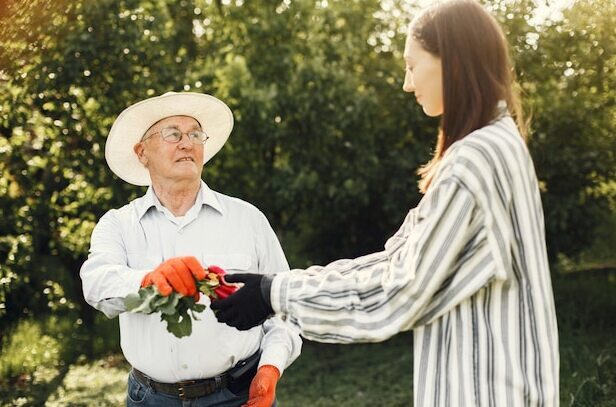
(247, 307)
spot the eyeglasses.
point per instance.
(173, 136)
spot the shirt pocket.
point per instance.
(230, 262)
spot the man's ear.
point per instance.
(140, 151)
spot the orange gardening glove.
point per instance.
(176, 274)
(262, 390)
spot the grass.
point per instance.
(350, 375)
(588, 371)
(100, 383)
(337, 375)
(585, 306)
(37, 355)
(27, 354)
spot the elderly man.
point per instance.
(165, 238)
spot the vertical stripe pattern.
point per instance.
(467, 271)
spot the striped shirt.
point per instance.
(467, 271)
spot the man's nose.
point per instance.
(185, 142)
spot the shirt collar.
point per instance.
(205, 196)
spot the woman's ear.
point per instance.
(140, 151)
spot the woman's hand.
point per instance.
(248, 306)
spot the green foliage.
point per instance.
(381, 374)
(568, 76)
(292, 153)
(101, 383)
(588, 371)
(585, 307)
(319, 114)
(351, 375)
(325, 142)
(25, 350)
(176, 310)
(36, 354)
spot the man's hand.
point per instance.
(262, 390)
(176, 274)
(248, 307)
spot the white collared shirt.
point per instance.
(218, 230)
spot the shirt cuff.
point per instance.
(266, 288)
(279, 293)
(274, 358)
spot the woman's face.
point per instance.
(423, 77)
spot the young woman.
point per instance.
(468, 270)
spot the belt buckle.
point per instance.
(180, 385)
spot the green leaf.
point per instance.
(179, 324)
(170, 318)
(172, 302)
(195, 310)
(148, 295)
(132, 301)
(176, 311)
(142, 302)
(161, 301)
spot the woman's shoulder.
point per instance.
(496, 146)
(501, 135)
(489, 158)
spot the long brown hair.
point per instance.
(477, 72)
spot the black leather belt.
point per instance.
(243, 372)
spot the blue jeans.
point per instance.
(143, 395)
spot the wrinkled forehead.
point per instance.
(175, 121)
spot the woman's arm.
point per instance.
(442, 260)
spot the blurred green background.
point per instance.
(325, 143)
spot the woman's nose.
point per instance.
(408, 85)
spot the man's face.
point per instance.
(181, 161)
